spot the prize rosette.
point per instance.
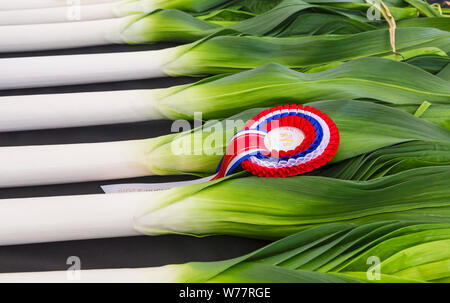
(282, 141)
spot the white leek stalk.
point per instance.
(78, 109)
(166, 274)
(68, 217)
(78, 69)
(30, 4)
(33, 165)
(62, 35)
(59, 14)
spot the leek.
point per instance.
(215, 54)
(313, 255)
(268, 208)
(218, 97)
(199, 152)
(173, 25)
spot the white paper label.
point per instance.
(145, 187)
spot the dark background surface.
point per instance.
(138, 251)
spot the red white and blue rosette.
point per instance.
(282, 141)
